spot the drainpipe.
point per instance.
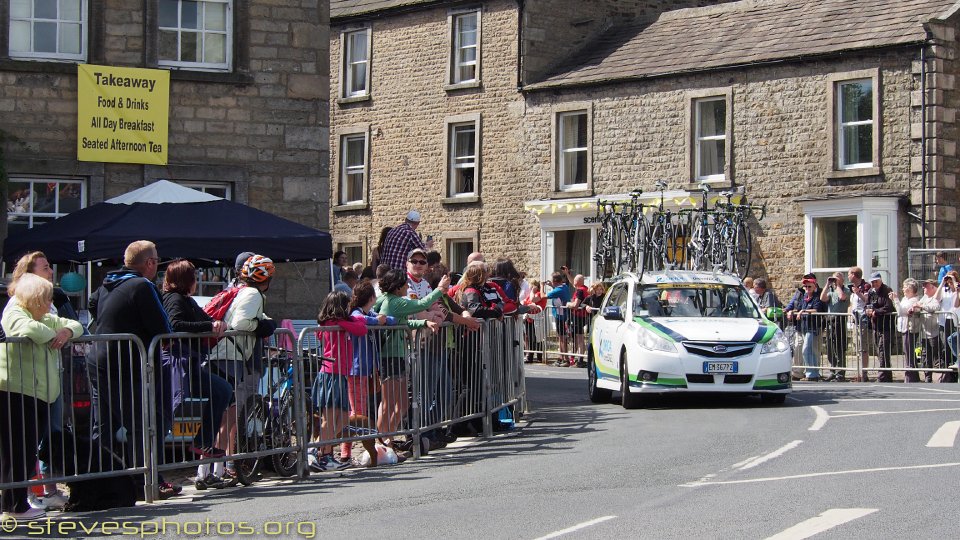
(923, 145)
(519, 45)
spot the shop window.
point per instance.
(35, 201)
(217, 189)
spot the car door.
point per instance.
(609, 332)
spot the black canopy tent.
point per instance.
(181, 221)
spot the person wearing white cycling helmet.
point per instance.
(237, 358)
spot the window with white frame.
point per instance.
(711, 139)
(860, 232)
(463, 159)
(48, 29)
(464, 61)
(196, 34)
(35, 201)
(458, 249)
(573, 149)
(356, 63)
(354, 253)
(223, 190)
(855, 123)
(353, 168)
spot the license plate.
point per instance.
(185, 429)
(719, 367)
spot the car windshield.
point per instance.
(694, 300)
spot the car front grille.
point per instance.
(700, 379)
(737, 379)
(719, 349)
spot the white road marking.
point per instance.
(821, 419)
(941, 400)
(933, 390)
(845, 414)
(823, 522)
(945, 436)
(577, 527)
(776, 453)
(814, 475)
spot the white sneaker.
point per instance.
(35, 502)
(54, 501)
(952, 366)
(32, 514)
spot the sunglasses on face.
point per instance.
(418, 261)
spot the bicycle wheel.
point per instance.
(283, 433)
(641, 242)
(697, 247)
(656, 249)
(251, 438)
(742, 250)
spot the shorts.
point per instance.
(562, 327)
(330, 392)
(576, 324)
(392, 367)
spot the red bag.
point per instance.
(217, 308)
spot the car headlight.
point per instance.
(776, 345)
(651, 341)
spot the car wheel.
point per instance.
(773, 399)
(628, 400)
(597, 395)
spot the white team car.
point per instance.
(684, 331)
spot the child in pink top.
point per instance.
(330, 394)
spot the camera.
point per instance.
(831, 280)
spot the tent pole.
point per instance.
(331, 275)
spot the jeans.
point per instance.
(204, 384)
(811, 355)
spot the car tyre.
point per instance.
(773, 399)
(628, 400)
(597, 395)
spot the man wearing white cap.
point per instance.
(401, 240)
(878, 310)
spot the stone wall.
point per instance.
(263, 128)
(943, 68)
(780, 148)
(405, 116)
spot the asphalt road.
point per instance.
(841, 460)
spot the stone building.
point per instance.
(248, 117)
(503, 122)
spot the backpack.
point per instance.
(217, 309)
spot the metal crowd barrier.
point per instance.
(131, 410)
(96, 427)
(558, 333)
(853, 345)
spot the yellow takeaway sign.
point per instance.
(122, 114)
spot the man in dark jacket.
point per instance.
(878, 309)
(128, 302)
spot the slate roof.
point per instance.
(350, 8)
(746, 32)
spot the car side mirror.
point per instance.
(612, 313)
